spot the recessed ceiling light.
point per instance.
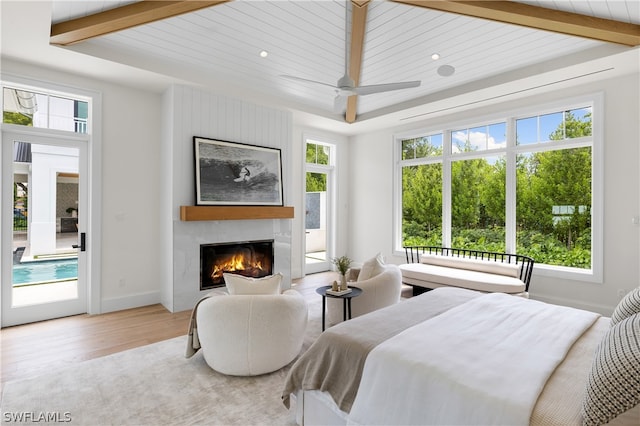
(446, 70)
(264, 53)
(435, 56)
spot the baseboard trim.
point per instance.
(132, 301)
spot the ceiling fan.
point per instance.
(345, 86)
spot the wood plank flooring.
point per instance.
(36, 348)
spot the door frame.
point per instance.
(93, 217)
(46, 310)
(330, 172)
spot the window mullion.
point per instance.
(446, 190)
(510, 195)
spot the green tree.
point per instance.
(493, 193)
(419, 148)
(317, 154)
(563, 179)
(316, 182)
(17, 118)
(422, 195)
(467, 180)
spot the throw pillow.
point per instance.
(613, 386)
(238, 284)
(371, 267)
(629, 305)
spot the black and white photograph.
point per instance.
(230, 173)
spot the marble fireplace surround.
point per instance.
(189, 235)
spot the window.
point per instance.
(422, 190)
(521, 184)
(27, 108)
(424, 146)
(318, 153)
(553, 189)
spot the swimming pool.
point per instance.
(45, 271)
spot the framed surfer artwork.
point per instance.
(233, 174)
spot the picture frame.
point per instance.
(237, 174)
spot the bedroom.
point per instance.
(133, 125)
(130, 287)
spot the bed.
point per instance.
(457, 356)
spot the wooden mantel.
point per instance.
(193, 213)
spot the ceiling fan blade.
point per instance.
(379, 88)
(294, 78)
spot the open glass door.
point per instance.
(44, 185)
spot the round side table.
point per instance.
(346, 300)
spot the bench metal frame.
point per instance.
(413, 253)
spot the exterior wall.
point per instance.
(66, 196)
(371, 171)
(45, 164)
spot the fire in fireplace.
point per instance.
(248, 258)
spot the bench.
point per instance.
(431, 267)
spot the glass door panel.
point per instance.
(46, 201)
(316, 223)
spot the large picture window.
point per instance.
(522, 184)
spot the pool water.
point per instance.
(45, 271)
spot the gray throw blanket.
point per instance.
(193, 343)
(334, 363)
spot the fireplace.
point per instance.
(249, 258)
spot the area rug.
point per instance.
(151, 385)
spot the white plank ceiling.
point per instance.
(220, 47)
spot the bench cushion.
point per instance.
(489, 266)
(432, 276)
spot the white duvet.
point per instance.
(483, 362)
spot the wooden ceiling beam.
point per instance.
(358, 25)
(539, 18)
(121, 18)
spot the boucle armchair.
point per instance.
(382, 289)
(248, 335)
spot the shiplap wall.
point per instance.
(192, 112)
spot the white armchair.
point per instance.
(378, 291)
(247, 335)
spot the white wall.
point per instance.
(130, 186)
(371, 177)
(131, 197)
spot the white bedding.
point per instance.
(487, 365)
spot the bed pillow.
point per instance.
(371, 268)
(238, 284)
(629, 305)
(613, 385)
